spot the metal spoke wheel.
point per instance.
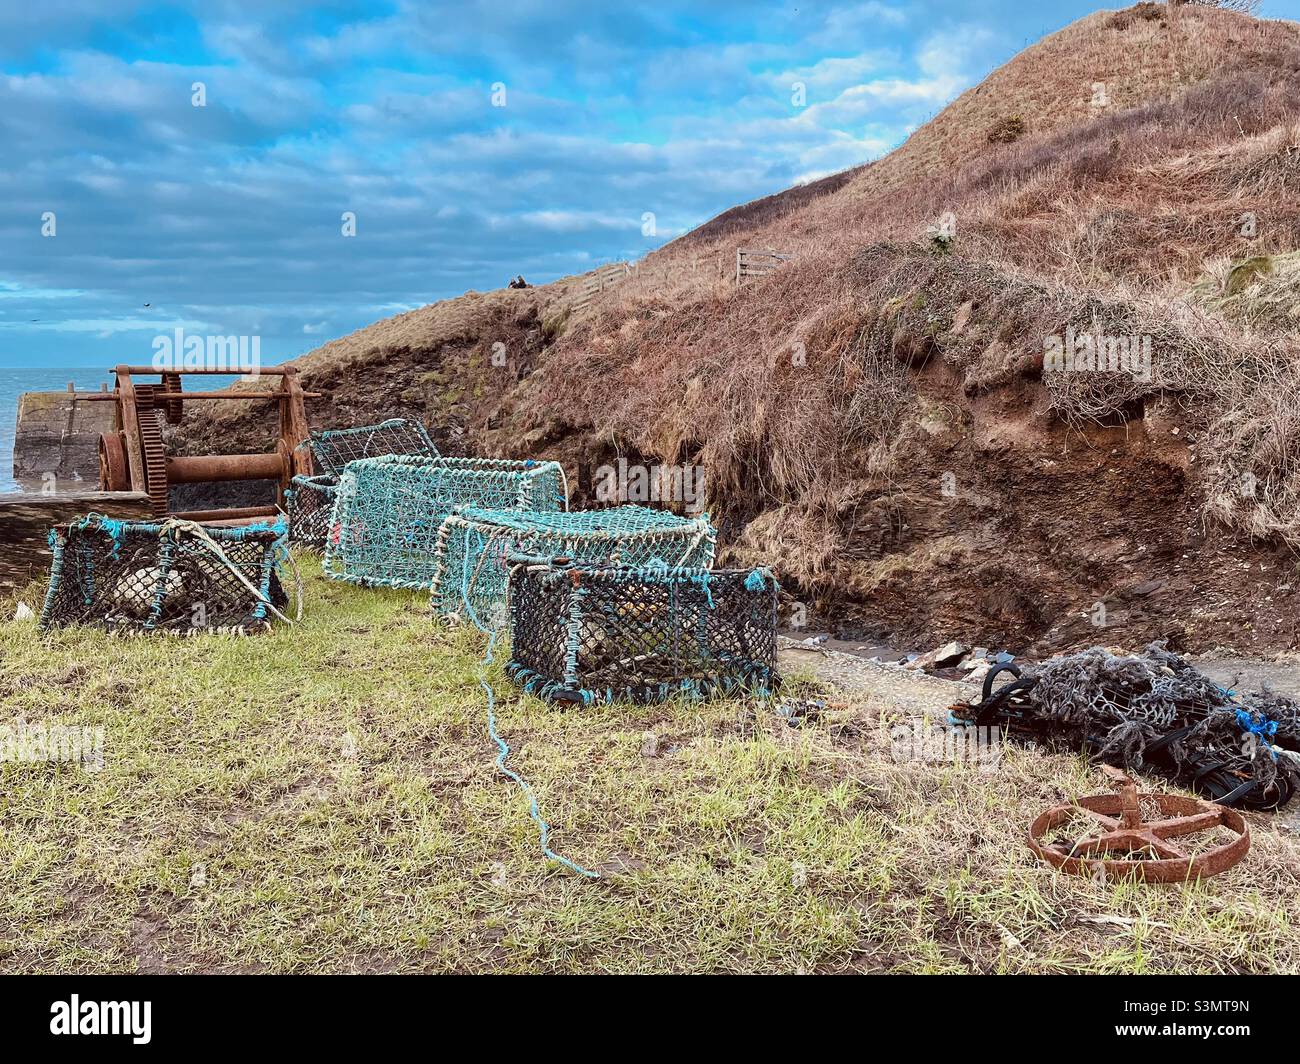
(1170, 849)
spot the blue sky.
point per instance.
(227, 218)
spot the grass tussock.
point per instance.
(1007, 130)
(323, 799)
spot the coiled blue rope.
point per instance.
(543, 828)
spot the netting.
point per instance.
(642, 635)
(475, 547)
(309, 503)
(333, 449)
(1155, 712)
(168, 576)
(385, 526)
(310, 500)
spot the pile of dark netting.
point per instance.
(309, 503)
(641, 635)
(1152, 713)
(333, 449)
(170, 576)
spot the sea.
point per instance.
(13, 382)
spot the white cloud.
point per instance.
(231, 213)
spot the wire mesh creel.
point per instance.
(475, 548)
(384, 531)
(580, 634)
(333, 449)
(164, 576)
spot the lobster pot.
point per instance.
(476, 548)
(333, 449)
(143, 576)
(386, 520)
(309, 502)
(641, 635)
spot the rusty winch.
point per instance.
(132, 457)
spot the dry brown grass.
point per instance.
(1098, 217)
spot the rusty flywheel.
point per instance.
(114, 473)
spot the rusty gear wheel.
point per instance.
(171, 382)
(1122, 844)
(114, 473)
(155, 458)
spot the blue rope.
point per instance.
(1264, 728)
(543, 828)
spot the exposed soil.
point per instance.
(1056, 538)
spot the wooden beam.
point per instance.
(26, 520)
(265, 371)
(161, 400)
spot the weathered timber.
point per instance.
(26, 519)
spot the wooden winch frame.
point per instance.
(132, 458)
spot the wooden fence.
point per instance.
(752, 262)
(604, 277)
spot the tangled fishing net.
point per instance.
(643, 635)
(1154, 712)
(386, 520)
(477, 546)
(173, 576)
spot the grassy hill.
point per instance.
(874, 418)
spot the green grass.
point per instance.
(324, 798)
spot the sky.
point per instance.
(293, 172)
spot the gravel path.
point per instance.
(865, 682)
(1282, 675)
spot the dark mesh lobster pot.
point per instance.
(333, 449)
(144, 576)
(641, 635)
(309, 502)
